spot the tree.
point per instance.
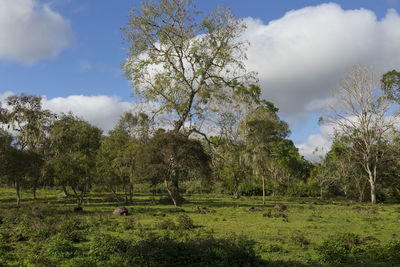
(26, 117)
(13, 163)
(118, 152)
(182, 61)
(262, 129)
(171, 157)
(75, 143)
(363, 115)
(391, 84)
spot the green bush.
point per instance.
(60, 248)
(166, 224)
(72, 230)
(350, 249)
(251, 189)
(185, 222)
(103, 247)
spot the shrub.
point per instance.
(336, 250)
(72, 230)
(185, 222)
(166, 224)
(104, 246)
(350, 249)
(60, 248)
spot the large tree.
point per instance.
(363, 114)
(184, 61)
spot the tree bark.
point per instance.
(131, 188)
(263, 189)
(64, 188)
(78, 199)
(17, 189)
(373, 185)
(170, 193)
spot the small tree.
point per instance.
(31, 123)
(75, 143)
(170, 158)
(262, 129)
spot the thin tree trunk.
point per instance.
(17, 189)
(114, 193)
(78, 199)
(263, 189)
(64, 188)
(125, 193)
(131, 188)
(170, 193)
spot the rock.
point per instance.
(267, 214)
(78, 209)
(280, 207)
(121, 211)
(279, 215)
(160, 213)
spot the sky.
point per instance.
(70, 53)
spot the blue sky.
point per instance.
(70, 51)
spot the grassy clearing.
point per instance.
(306, 224)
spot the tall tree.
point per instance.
(262, 129)
(118, 152)
(75, 143)
(363, 115)
(184, 61)
(26, 117)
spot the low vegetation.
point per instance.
(206, 230)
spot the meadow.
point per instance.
(206, 229)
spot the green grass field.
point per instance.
(306, 224)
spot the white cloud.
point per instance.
(317, 145)
(30, 31)
(302, 56)
(102, 111)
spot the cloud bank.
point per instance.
(302, 56)
(30, 31)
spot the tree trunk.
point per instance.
(373, 191)
(64, 188)
(17, 189)
(263, 189)
(170, 193)
(321, 192)
(114, 193)
(131, 188)
(125, 193)
(34, 189)
(373, 186)
(78, 199)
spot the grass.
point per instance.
(292, 238)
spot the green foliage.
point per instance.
(349, 248)
(104, 247)
(185, 222)
(60, 248)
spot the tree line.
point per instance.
(210, 125)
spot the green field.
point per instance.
(41, 232)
